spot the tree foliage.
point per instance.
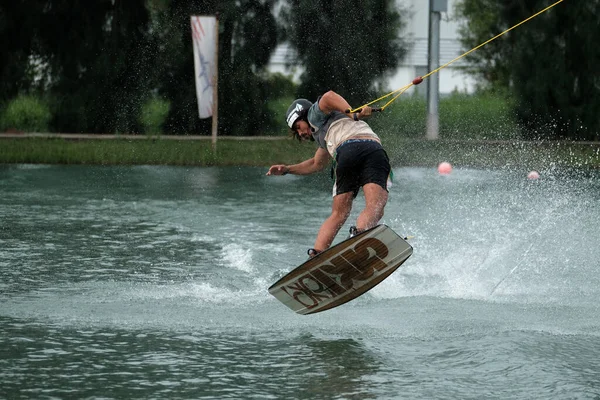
(17, 20)
(99, 61)
(88, 58)
(344, 45)
(27, 113)
(550, 63)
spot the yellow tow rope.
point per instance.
(419, 79)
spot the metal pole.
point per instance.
(433, 93)
(215, 86)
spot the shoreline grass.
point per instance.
(537, 155)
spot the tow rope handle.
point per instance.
(415, 81)
(374, 109)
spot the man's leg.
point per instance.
(375, 200)
(340, 210)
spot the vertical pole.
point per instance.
(433, 85)
(215, 87)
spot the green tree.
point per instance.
(18, 23)
(549, 63)
(90, 59)
(26, 113)
(100, 61)
(344, 45)
(482, 18)
(98, 56)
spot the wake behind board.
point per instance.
(342, 272)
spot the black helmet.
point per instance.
(298, 109)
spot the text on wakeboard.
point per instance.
(338, 275)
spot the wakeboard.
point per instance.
(343, 272)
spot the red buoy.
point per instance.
(533, 175)
(445, 168)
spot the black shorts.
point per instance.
(359, 162)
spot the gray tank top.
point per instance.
(320, 122)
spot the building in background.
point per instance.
(451, 78)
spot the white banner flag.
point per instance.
(205, 63)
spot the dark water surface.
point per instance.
(150, 282)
